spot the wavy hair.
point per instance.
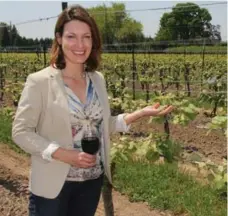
(76, 12)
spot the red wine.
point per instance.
(90, 145)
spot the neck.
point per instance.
(74, 70)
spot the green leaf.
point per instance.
(195, 157)
(123, 156)
(152, 155)
(210, 177)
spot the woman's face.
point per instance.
(76, 42)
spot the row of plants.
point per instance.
(198, 49)
(166, 71)
(157, 184)
(184, 77)
(121, 101)
(148, 150)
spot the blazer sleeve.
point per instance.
(116, 123)
(26, 120)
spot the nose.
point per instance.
(79, 43)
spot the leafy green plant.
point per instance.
(216, 174)
(183, 112)
(148, 149)
(8, 112)
(216, 93)
(218, 122)
(13, 90)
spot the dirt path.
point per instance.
(14, 170)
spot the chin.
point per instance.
(79, 61)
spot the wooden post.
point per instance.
(133, 71)
(64, 5)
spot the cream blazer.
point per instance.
(42, 117)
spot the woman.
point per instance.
(59, 105)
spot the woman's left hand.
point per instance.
(153, 110)
(156, 110)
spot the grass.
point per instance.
(5, 133)
(164, 187)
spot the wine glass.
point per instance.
(90, 142)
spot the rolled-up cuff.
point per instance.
(121, 125)
(47, 153)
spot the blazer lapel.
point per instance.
(59, 94)
(97, 86)
(57, 85)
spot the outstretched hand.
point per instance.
(153, 110)
(157, 110)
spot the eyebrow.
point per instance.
(87, 33)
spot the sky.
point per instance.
(15, 12)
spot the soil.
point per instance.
(14, 168)
(14, 171)
(193, 137)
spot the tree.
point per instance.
(116, 25)
(214, 32)
(9, 36)
(4, 35)
(186, 21)
(23, 41)
(14, 36)
(131, 32)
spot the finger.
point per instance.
(88, 160)
(86, 165)
(156, 105)
(88, 156)
(161, 108)
(166, 111)
(83, 159)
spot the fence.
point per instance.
(140, 63)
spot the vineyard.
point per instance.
(193, 136)
(191, 76)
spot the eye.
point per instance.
(70, 36)
(88, 37)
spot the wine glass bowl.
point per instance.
(90, 144)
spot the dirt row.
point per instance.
(14, 170)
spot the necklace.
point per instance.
(82, 75)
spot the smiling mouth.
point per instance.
(78, 52)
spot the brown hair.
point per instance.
(76, 12)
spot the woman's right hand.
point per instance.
(75, 158)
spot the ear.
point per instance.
(58, 38)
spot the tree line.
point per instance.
(186, 21)
(9, 36)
